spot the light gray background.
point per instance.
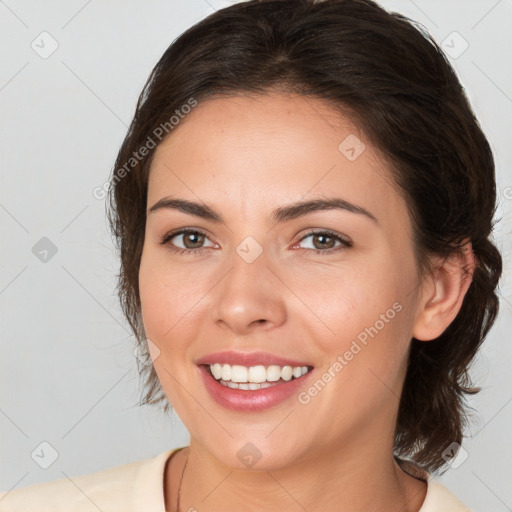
(68, 373)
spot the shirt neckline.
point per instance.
(149, 492)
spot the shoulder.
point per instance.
(120, 488)
(440, 499)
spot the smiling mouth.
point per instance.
(255, 377)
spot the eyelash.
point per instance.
(345, 244)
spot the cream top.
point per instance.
(139, 487)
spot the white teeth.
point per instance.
(226, 372)
(257, 374)
(243, 377)
(297, 372)
(216, 370)
(246, 385)
(238, 373)
(273, 373)
(287, 373)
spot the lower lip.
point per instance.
(248, 400)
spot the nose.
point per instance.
(249, 297)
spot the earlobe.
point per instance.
(443, 293)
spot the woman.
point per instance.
(303, 205)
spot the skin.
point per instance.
(244, 157)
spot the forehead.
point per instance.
(267, 150)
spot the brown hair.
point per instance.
(395, 82)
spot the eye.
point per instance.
(323, 242)
(190, 239)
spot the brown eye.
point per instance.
(186, 240)
(193, 240)
(325, 242)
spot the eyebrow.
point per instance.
(281, 214)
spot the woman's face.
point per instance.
(258, 281)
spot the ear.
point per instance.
(443, 292)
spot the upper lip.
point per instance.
(232, 357)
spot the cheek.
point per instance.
(169, 301)
(365, 313)
(349, 298)
(365, 356)
(168, 292)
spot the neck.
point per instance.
(344, 479)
